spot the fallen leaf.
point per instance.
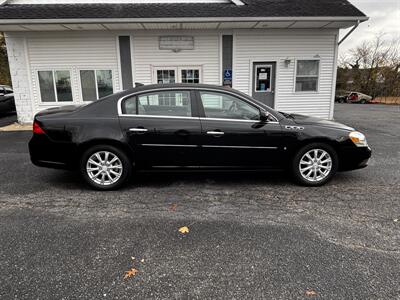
(142, 260)
(184, 230)
(395, 220)
(132, 272)
(173, 206)
(132, 258)
(311, 293)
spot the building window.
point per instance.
(96, 84)
(307, 73)
(170, 103)
(55, 86)
(165, 76)
(190, 76)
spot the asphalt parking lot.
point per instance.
(251, 235)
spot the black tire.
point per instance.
(296, 161)
(363, 101)
(125, 161)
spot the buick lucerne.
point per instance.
(188, 126)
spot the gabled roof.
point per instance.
(252, 10)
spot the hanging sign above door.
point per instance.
(176, 43)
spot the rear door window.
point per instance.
(162, 103)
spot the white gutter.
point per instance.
(350, 32)
(2, 2)
(179, 20)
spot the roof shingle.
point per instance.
(253, 8)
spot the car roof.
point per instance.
(176, 85)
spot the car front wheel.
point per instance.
(105, 167)
(315, 164)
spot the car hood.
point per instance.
(307, 120)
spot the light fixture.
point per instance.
(287, 62)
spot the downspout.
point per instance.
(350, 32)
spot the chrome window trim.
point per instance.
(157, 116)
(235, 120)
(208, 146)
(120, 114)
(240, 147)
(169, 145)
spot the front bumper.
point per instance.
(353, 158)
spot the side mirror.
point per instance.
(264, 116)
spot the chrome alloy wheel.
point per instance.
(315, 165)
(104, 168)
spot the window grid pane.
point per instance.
(190, 76)
(165, 76)
(104, 83)
(88, 83)
(46, 84)
(307, 76)
(63, 86)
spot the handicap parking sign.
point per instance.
(228, 74)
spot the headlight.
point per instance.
(358, 139)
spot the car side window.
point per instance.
(163, 103)
(224, 106)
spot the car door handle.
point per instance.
(215, 132)
(138, 130)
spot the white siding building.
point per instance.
(75, 51)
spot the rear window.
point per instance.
(163, 103)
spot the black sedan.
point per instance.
(184, 126)
(7, 103)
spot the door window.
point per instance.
(163, 103)
(224, 106)
(263, 78)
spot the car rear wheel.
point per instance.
(315, 164)
(105, 167)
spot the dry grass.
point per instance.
(17, 127)
(387, 100)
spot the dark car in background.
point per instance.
(190, 127)
(7, 103)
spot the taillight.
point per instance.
(37, 129)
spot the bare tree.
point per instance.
(4, 68)
(372, 67)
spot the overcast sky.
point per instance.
(384, 17)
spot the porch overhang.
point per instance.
(180, 23)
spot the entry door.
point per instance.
(165, 75)
(264, 74)
(233, 135)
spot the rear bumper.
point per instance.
(49, 154)
(353, 158)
